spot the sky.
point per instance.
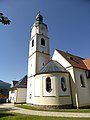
(68, 24)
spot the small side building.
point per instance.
(17, 93)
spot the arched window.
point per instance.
(82, 81)
(42, 41)
(48, 85)
(32, 43)
(63, 84)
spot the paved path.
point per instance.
(11, 108)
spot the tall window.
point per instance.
(88, 73)
(32, 43)
(48, 85)
(42, 42)
(63, 84)
(82, 81)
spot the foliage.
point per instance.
(4, 19)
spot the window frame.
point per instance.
(87, 73)
(42, 41)
(82, 81)
(48, 84)
(63, 84)
(32, 43)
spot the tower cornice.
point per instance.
(38, 52)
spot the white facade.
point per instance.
(38, 95)
(80, 94)
(39, 55)
(61, 81)
(12, 96)
(18, 95)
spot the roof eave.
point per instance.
(52, 72)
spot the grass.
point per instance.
(12, 116)
(54, 110)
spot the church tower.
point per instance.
(39, 53)
(44, 75)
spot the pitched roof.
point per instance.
(21, 83)
(52, 66)
(87, 62)
(14, 82)
(75, 61)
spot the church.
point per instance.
(60, 82)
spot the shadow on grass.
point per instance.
(3, 114)
(6, 109)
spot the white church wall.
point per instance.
(32, 49)
(33, 31)
(43, 30)
(31, 65)
(59, 58)
(37, 86)
(83, 92)
(41, 97)
(30, 90)
(42, 60)
(89, 85)
(42, 48)
(73, 87)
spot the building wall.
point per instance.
(31, 65)
(56, 56)
(38, 95)
(41, 29)
(88, 82)
(41, 61)
(12, 95)
(80, 95)
(30, 89)
(83, 92)
(21, 95)
(39, 54)
(73, 86)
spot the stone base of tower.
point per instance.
(52, 106)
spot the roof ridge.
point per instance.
(71, 54)
(74, 60)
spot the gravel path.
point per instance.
(11, 108)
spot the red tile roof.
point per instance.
(75, 61)
(87, 62)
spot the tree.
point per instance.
(4, 19)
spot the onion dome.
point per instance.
(39, 20)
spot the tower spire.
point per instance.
(39, 19)
(39, 11)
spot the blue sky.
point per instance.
(68, 24)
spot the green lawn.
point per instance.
(11, 116)
(55, 110)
